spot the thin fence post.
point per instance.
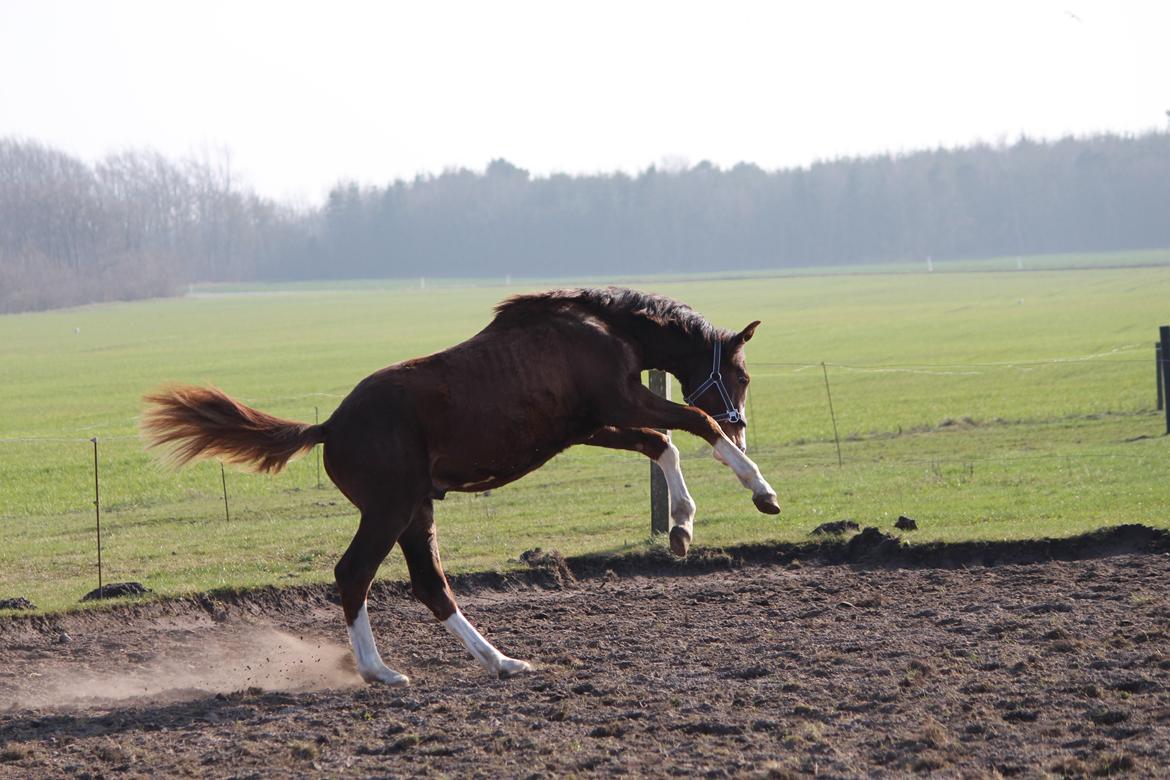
(1164, 332)
(1158, 374)
(317, 420)
(97, 514)
(659, 493)
(223, 479)
(832, 414)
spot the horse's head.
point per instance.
(717, 381)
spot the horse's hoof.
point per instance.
(766, 503)
(510, 667)
(386, 676)
(680, 541)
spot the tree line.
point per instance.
(136, 224)
(132, 225)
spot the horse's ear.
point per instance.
(745, 335)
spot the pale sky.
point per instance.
(305, 94)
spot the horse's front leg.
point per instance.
(645, 409)
(661, 450)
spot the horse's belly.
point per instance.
(469, 471)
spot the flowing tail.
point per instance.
(189, 423)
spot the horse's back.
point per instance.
(490, 409)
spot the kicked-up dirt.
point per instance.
(832, 661)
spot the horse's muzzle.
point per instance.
(738, 436)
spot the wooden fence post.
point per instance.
(659, 494)
(1164, 332)
(1158, 373)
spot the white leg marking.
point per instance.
(682, 506)
(482, 650)
(745, 469)
(365, 652)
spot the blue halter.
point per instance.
(731, 414)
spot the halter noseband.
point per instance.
(731, 414)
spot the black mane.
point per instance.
(615, 303)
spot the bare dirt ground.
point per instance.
(847, 660)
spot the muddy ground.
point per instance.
(836, 661)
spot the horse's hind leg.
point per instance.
(420, 546)
(355, 571)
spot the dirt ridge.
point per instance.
(870, 548)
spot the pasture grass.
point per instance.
(986, 405)
(1046, 262)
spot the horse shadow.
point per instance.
(122, 717)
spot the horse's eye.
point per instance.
(743, 380)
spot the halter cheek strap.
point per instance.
(731, 414)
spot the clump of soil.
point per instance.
(116, 590)
(906, 524)
(549, 566)
(20, 602)
(872, 545)
(835, 528)
(711, 559)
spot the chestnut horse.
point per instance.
(551, 370)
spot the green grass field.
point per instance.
(986, 403)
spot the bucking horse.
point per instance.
(552, 370)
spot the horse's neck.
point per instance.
(665, 347)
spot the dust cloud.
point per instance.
(183, 663)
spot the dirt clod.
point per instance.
(1105, 716)
(116, 590)
(608, 730)
(906, 523)
(871, 544)
(550, 567)
(12, 753)
(20, 603)
(835, 528)
(1114, 764)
